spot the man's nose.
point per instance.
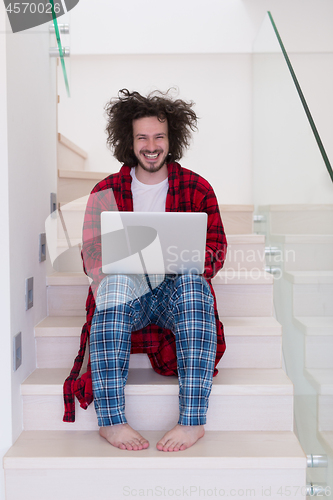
(151, 144)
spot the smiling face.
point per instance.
(150, 143)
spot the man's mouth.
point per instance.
(151, 156)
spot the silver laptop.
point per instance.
(153, 242)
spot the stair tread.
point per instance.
(143, 381)
(240, 239)
(217, 449)
(67, 278)
(254, 277)
(82, 174)
(310, 277)
(63, 326)
(233, 239)
(296, 207)
(302, 238)
(60, 326)
(315, 325)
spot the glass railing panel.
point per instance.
(293, 196)
(302, 99)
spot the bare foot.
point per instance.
(180, 437)
(124, 437)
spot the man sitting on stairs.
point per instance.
(173, 319)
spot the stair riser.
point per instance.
(245, 257)
(53, 484)
(325, 412)
(318, 351)
(73, 220)
(68, 260)
(228, 413)
(313, 300)
(233, 300)
(234, 223)
(304, 257)
(242, 352)
(301, 222)
(244, 300)
(66, 300)
(68, 159)
(239, 258)
(73, 189)
(237, 222)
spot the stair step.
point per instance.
(299, 219)
(76, 184)
(315, 325)
(69, 155)
(245, 251)
(310, 277)
(233, 239)
(82, 174)
(67, 279)
(304, 252)
(216, 450)
(322, 381)
(53, 465)
(63, 326)
(318, 333)
(241, 399)
(60, 326)
(237, 294)
(312, 292)
(222, 277)
(235, 223)
(237, 219)
(252, 343)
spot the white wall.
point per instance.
(5, 346)
(218, 38)
(31, 112)
(28, 175)
(194, 26)
(288, 166)
(219, 84)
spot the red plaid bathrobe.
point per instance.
(188, 192)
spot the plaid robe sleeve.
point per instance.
(216, 242)
(101, 199)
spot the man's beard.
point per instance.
(154, 167)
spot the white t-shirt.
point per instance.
(148, 197)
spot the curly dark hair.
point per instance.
(130, 106)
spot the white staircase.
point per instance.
(249, 443)
(249, 449)
(73, 180)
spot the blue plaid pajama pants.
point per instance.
(181, 303)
